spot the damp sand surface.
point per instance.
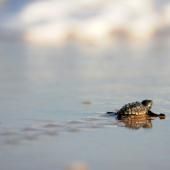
(53, 103)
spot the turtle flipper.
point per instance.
(152, 114)
(161, 115)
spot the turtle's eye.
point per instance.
(149, 105)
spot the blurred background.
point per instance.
(65, 60)
(97, 21)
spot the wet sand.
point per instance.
(53, 101)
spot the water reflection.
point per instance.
(137, 122)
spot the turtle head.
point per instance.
(147, 103)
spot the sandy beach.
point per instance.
(53, 101)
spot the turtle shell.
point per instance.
(136, 108)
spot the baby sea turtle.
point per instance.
(138, 109)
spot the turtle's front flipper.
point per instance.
(161, 115)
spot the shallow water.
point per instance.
(53, 100)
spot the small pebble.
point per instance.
(86, 102)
